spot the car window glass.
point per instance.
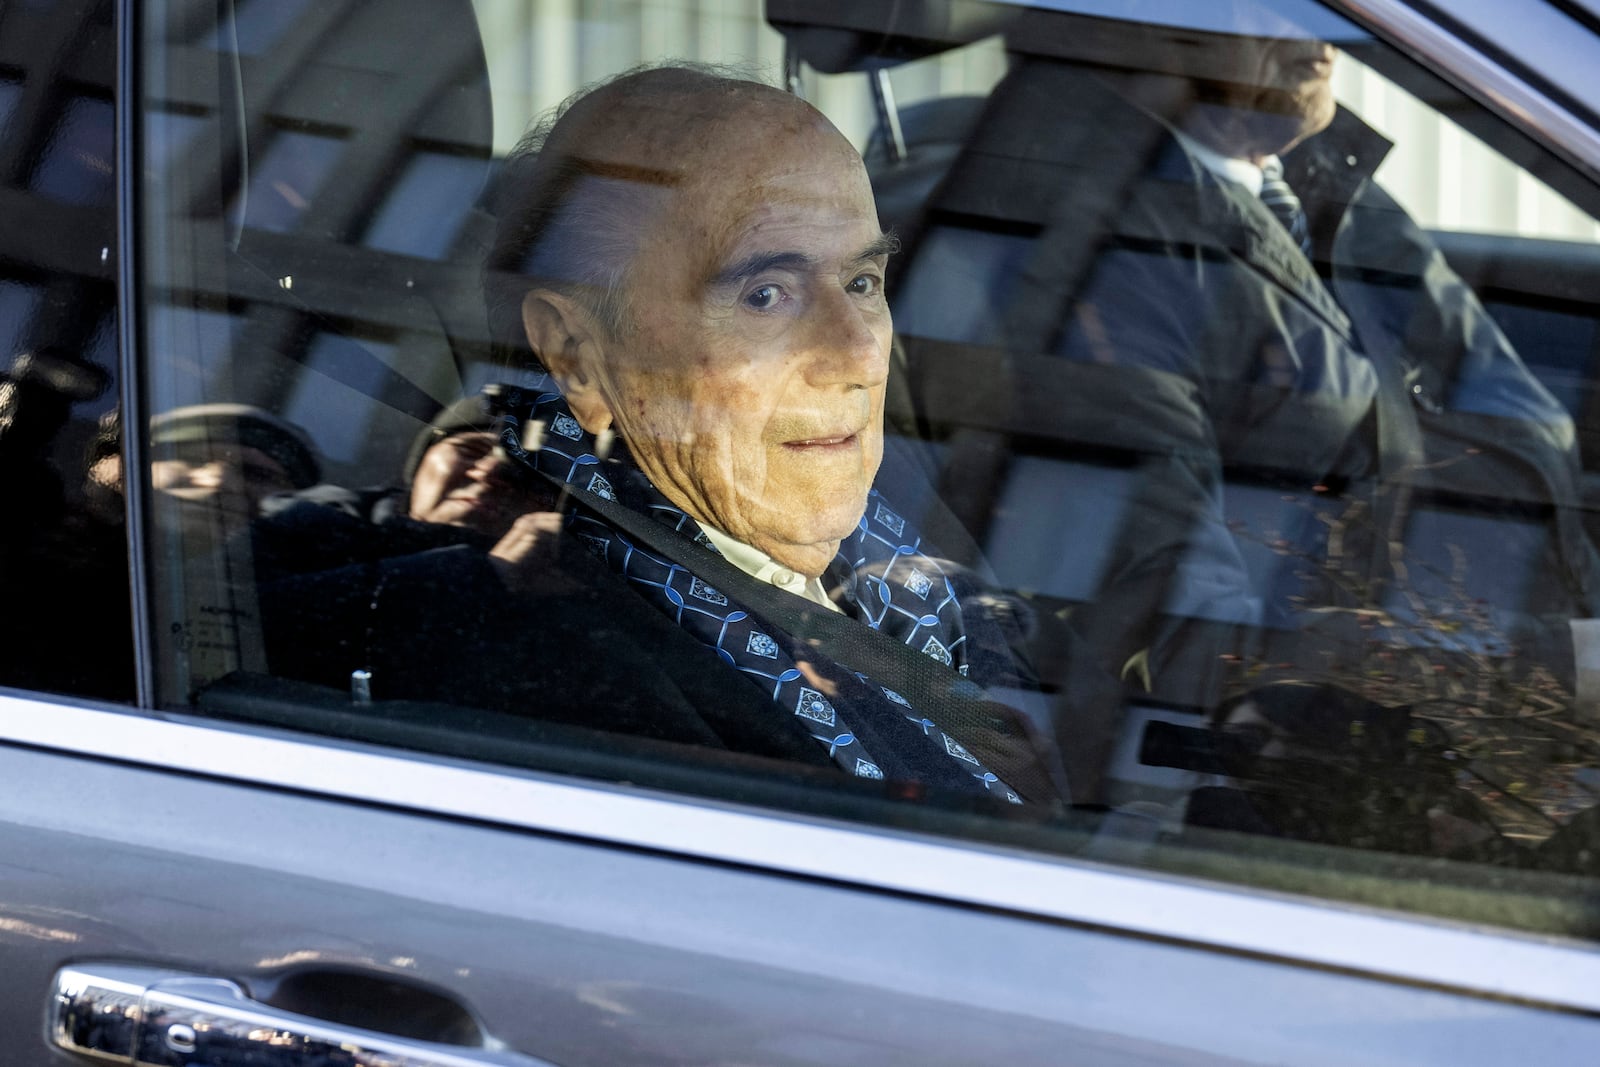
(1445, 176)
(1234, 386)
(63, 560)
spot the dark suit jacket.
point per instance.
(1365, 389)
(438, 625)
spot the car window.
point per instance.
(1088, 424)
(62, 551)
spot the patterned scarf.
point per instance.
(889, 583)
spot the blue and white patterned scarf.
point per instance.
(891, 585)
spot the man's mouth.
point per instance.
(826, 443)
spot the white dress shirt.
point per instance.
(762, 567)
(1228, 168)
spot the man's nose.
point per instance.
(845, 345)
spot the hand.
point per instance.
(526, 557)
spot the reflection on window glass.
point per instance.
(10, 93)
(1024, 541)
(63, 555)
(169, 135)
(1449, 179)
(336, 399)
(1231, 448)
(424, 210)
(478, 375)
(1455, 604)
(257, 25)
(1559, 346)
(285, 181)
(196, 345)
(77, 166)
(17, 303)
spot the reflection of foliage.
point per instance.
(1412, 634)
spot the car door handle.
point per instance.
(149, 1016)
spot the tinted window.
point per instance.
(1236, 423)
(63, 563)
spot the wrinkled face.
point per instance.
(749, 380)
(461, 482)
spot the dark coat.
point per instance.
(421, 608)
(1293, 419)
(579, 648)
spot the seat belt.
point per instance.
(993, 732)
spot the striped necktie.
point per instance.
(1278, 197)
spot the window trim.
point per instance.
(130, 167)
(1454, 957)
(1479, 77)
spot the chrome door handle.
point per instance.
(148, 1016)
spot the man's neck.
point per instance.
(1231, 133)
(763, 567)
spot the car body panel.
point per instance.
(587, 952)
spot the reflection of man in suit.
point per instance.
(696, 261)
(1212, 230)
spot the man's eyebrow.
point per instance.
(887, 244)
(752, 265)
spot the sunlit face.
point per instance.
(749, 380)
(233, 479)
(462, 482)
(1277, 87)
(1290, 89)
(212, 489)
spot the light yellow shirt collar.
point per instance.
(764, 568)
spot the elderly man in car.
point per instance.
(697, 263)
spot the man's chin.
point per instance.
(809, 551)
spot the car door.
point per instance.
(239, 262)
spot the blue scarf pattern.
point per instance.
(869, 731)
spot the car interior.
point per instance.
(317, 184)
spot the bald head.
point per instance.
(703, 276)
(587, 187)
(658, 122)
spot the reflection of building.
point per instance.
(347, 160)
(351, 153)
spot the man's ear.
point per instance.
(569, 341)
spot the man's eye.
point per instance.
(863, 285)
(763, 297)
